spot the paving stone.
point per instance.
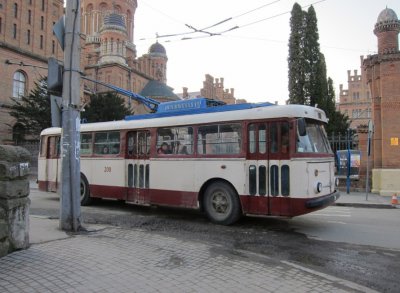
(118, 260)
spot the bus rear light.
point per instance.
(318, 187)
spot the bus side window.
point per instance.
(175, 141)
(53, 150)
(252, 138)
(107, 143)
(43, 140)
(219, 139)
(273, 136)
(262, 139)
(86, 144)
(132, 147)
(285, 137)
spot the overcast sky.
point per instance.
(252, 58)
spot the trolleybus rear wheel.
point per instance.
(221, 203)
(85, 192)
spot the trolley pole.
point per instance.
(70, 210)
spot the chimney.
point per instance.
(185, 94)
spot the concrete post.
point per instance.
(70, 211)
(14, 200)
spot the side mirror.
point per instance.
(301, 126)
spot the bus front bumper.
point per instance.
(323, 201)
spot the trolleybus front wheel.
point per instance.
(221, 203)
(85, 192)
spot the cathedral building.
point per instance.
(108, 53)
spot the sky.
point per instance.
(252, 58)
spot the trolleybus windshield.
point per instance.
(314, 139)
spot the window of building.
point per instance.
(41, 42)
(19, 84)
(28, 37)
(53, 47)
(14, 31)
(42, 22)
(29, 16)
(1, 24)
(15, 10)
(43, 3)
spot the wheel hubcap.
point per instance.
(220, 202)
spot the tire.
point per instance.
(221, 204)
(85, 192)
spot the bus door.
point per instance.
(52, 163)
(258, 168)
(279, 168)
(138, 167)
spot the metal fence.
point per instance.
(33, 148)
(343, 142)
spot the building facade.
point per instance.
(108, 52)
(382, 73)
(26, 42)
(213, 88)
(355, 101)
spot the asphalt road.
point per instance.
(356, 244)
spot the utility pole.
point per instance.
(70, 210)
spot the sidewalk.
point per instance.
(111, 259)
(359, 199)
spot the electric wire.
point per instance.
(211, 34)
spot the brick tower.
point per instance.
(383, 78)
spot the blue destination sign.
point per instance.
(181, 105)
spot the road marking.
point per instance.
(337, 222)
(332, 215)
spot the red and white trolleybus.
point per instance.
(229, 161)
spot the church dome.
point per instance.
(387, 15)
(157, 49)
(387, 21)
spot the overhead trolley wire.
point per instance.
(203, 30)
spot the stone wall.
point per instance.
(14, 200)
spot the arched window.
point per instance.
(19, 84)
(15, 10)
(18, 133)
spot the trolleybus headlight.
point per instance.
(318, 187)
(337, 182)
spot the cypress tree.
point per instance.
(308, 82)
(296, 60)
(315, 73)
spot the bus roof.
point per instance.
(256, 111)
